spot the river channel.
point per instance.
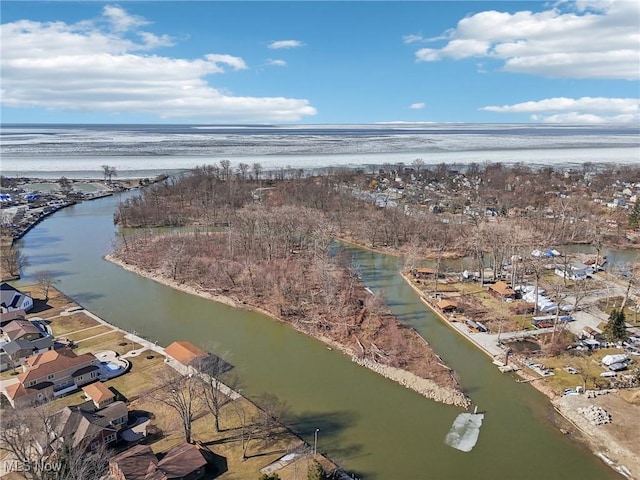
(370, 425)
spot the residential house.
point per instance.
(6, 317)
(99, 394)
(502, 291)
(425, 273)
(52, 374)
(448, 306)
(574, 271)
(87, 428)
(21, 339)
(185, 354)
(184, 462)
(13, 299)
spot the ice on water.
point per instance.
(465, 431)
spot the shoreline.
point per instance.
(585, 436)
(425, 387)
(147, 345)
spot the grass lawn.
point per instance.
(56, 303)
(68, 324)
(591, 363)
(74, 398)
(227, 443)
(110, 341)
(7, 374)
(609, 303)
(143, 376)
(97, 330)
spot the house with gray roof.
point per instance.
(86, 428)
(13, 299)
(20, 339)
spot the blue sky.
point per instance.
(320, 62)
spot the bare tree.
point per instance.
(108, 172)
(182, 394)
(243, 169)
(65, 185)
(257, 169)
(13, 260)
(265, 424)
(418, 163)
(46, 280)
(215, 393)
(31, 437)
(225, 166)
(112, 173)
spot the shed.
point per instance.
(425, 272)
(185, 352)
(99, 394)
(447, 305)
(501, 291)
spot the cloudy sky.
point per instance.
(320, 62)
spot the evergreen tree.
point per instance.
(317, 472)
(615, 329)
(634, 216)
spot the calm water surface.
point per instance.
(370, 425)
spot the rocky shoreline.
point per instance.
(425, 387)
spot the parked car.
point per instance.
(616, 367)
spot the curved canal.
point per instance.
(370, 425)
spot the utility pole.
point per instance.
(315, 442)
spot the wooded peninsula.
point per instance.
(267, 240)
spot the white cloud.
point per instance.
(417, 106)
(285, 44)
(413, 38)
(576, 110)
(236, 62)
(120, 20)
(584, 39)
(95, 65)
(272, 62)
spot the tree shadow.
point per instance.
(39, 260)
(306, 423)
(87, 296)
(39, 240)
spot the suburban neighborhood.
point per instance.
(78, 381)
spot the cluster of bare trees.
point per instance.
(109, 172)
(272, 249)
(203, 391)
(33, 446)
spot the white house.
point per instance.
(574, 271)
(12, 299)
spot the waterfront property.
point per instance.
(51, 374)
(99, 394)
(184, 461)
(20, 339)
(425, 273)
(87, 428)
(502, 291)
(12, 299)
(185, 353)
(574, 271)
(448, 306)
